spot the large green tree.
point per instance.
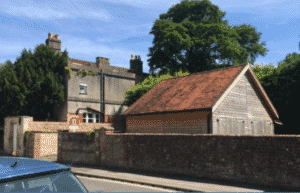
(285, 92)
(193, 34)
(281, 84)
(12, 91)
(39, 76)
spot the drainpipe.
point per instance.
(102, 90)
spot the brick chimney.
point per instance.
(102, 62)
(54, 42)
(136, 64)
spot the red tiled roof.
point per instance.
(195, 91)
(81, 62)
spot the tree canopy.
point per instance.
(281, 85)
(12, 91)
(193, 34)
(138, 90)
(36, 79)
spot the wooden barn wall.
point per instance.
(242, 112)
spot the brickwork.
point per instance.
(39, 145)
(29, 145)
(9, 124)
(259, 160)
(54, 42)
(76, 148)
(182, 122)
(44, 141)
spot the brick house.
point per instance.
(95, 98)
(221, 101)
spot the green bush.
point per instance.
(90, 135)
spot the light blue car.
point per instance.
(30, 175)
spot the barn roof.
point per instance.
(204, 90)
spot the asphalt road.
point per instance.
(104, 185)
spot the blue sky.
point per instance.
(117, 28)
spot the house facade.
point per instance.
(221, 101)
(98, 97)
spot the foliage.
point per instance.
(90, 135)
(281, 85)
(35, 81)
(80, 72)
(192, 35)
(137, 62)
(137, 91)
(12, 91)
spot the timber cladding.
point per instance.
(242, 111)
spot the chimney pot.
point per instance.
(101, 61)
(54, 42)
(57, 37)
(50, 35)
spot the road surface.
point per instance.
(105, 185)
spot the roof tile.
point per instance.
(195, 91)
(81, 62)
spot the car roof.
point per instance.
(11, 167)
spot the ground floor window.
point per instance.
(91, 117)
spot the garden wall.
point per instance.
(260, 160)
(15, 128)
(40, 144)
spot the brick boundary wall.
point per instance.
(40, 143)
(270, 161)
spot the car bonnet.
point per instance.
(11, 167)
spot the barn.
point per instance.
(221, 101)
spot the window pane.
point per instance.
(97, 118)
(91, 121)
(12, 187)
(68, 183)
(60, 182)
(91, 115)
(83, 89)
(84, 120)
(84, 115)
(38, 184)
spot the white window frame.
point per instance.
(83, 88)
(95, 117)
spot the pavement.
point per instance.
(176, 183)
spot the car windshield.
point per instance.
(59, 182)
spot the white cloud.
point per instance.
(245, 3)
(51, 12)
(146, 4)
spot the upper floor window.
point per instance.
(83, 88)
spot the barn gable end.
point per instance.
(242, 111)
